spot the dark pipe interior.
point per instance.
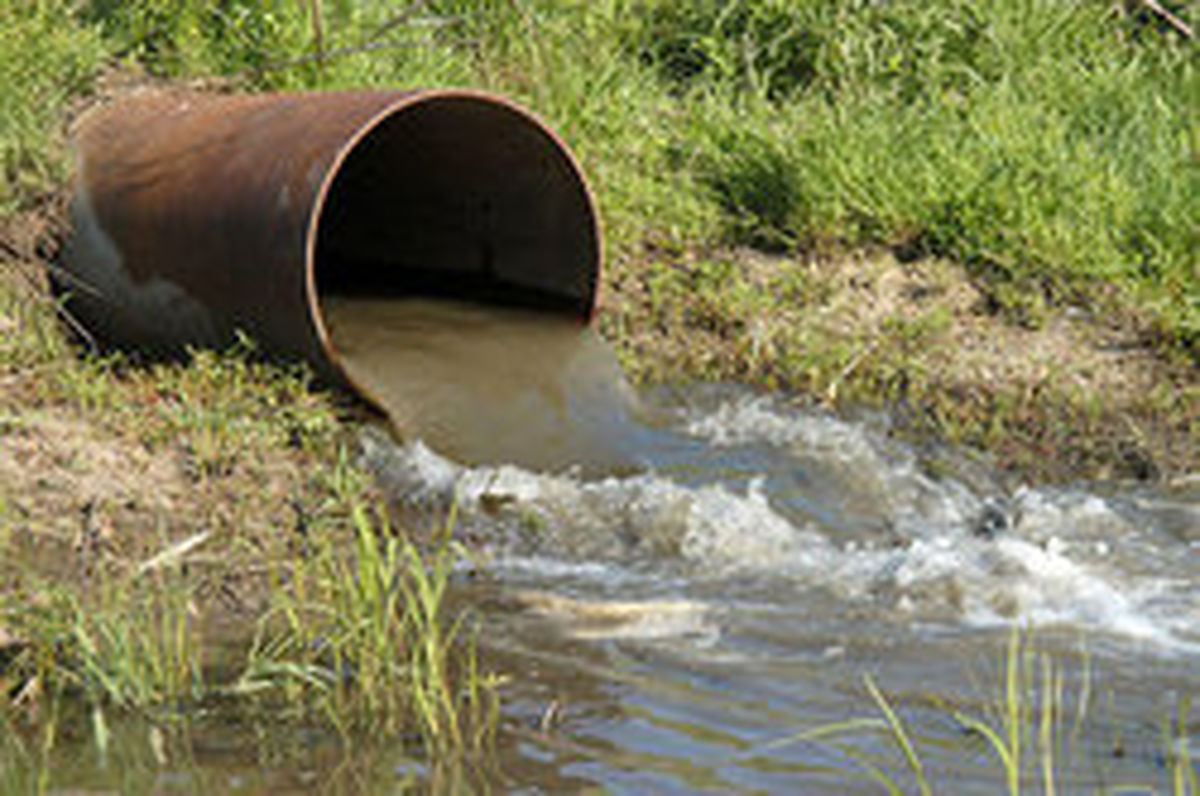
(463, 197)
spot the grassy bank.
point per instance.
(191, 539)
(1045, 146)
(1035, 155)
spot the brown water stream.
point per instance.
(487, 385)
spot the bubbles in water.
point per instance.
(865, 480)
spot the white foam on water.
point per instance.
(1059, 557)
(1048, 587)
(736, 533)
(875, 476)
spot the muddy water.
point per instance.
(487, 386)
(725, 567)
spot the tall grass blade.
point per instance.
(1046, 733)
(900, 736)
(1014, 709)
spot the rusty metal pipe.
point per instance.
(196, 216)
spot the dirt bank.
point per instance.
(1065, 393)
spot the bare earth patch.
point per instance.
(54, 466)
(975, 345)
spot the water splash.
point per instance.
(526, 422)
(915, 547)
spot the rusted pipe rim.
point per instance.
(370, 128)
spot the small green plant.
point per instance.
(133, 647)
(1177, 751)
(365, 640)
(87, 383)
(899, 735)
(146, 653)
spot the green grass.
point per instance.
(365, 640)
(1034, 142)
(47, 60)
(1045, 145)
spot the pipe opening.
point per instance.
(462, 196)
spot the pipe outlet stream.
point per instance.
(197, 216)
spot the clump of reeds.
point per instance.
(357, 634)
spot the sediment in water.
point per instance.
(488, 385)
